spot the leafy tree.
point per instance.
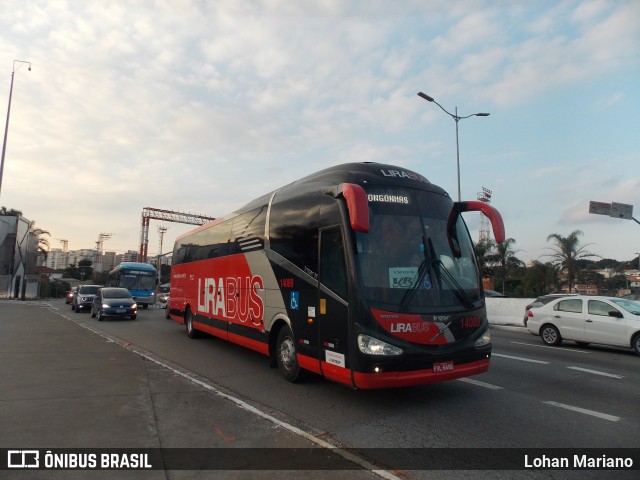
(86, 269)
(503, 256)
(607, 263)
(540, 279)
(590, 277)
(10, 212)
(71, 272)
(482, 249)
(567, 251)
(43, 243)
(82, 271)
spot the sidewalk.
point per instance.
(63, 386)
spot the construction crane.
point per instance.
(65, 244)
(101, 238)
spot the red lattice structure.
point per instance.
(149, 213)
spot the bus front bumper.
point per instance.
(419, 377)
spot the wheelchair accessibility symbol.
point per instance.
(294, 300)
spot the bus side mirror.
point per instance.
(357, 204)
(492, 214)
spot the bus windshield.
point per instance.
(410, 260)
(138, 281)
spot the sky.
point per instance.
(201, 106)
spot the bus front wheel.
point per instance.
(188, 323)
(286, 355)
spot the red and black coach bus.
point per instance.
(363, 273)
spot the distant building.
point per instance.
(57, 259)
(585, 289)
(607, 272)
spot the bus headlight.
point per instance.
(373, 346)
(484, 339)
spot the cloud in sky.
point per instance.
(202, 106)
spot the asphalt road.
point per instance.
(532, 397)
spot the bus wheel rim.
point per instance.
(287, 353)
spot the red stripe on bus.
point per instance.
(417, 377)
(309, 363)
(216, 332)
(256, 345)
(336, 373)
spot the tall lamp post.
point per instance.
(6, 126)
(457, 119)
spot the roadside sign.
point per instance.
(621, 210)
(600, 208)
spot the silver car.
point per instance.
(588, 319)
(83, 297)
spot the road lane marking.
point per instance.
(522, 359)
(596, 372)
(547, 346)
(593, 413)
(480, 384)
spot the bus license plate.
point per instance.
(443, 367)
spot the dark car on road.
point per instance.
(114, 302)
(68, 298)
(83, 298)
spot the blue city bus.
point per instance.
(139, 278)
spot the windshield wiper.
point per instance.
(453, 284)
(441, 273)
(422, 271)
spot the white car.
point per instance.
(587, 319)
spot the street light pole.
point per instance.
(6, 126)
(457, 119)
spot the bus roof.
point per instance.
(135, 265)
(362, 173)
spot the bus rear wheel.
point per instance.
(286, 355)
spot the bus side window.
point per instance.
(333, 272)
(294, 231)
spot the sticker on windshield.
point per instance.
(402, 277)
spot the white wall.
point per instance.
(507, 311)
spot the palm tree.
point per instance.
(567, 251)
(10, 212)
(43, 243)
(540, 279)
(482, 249)
(504, 256)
